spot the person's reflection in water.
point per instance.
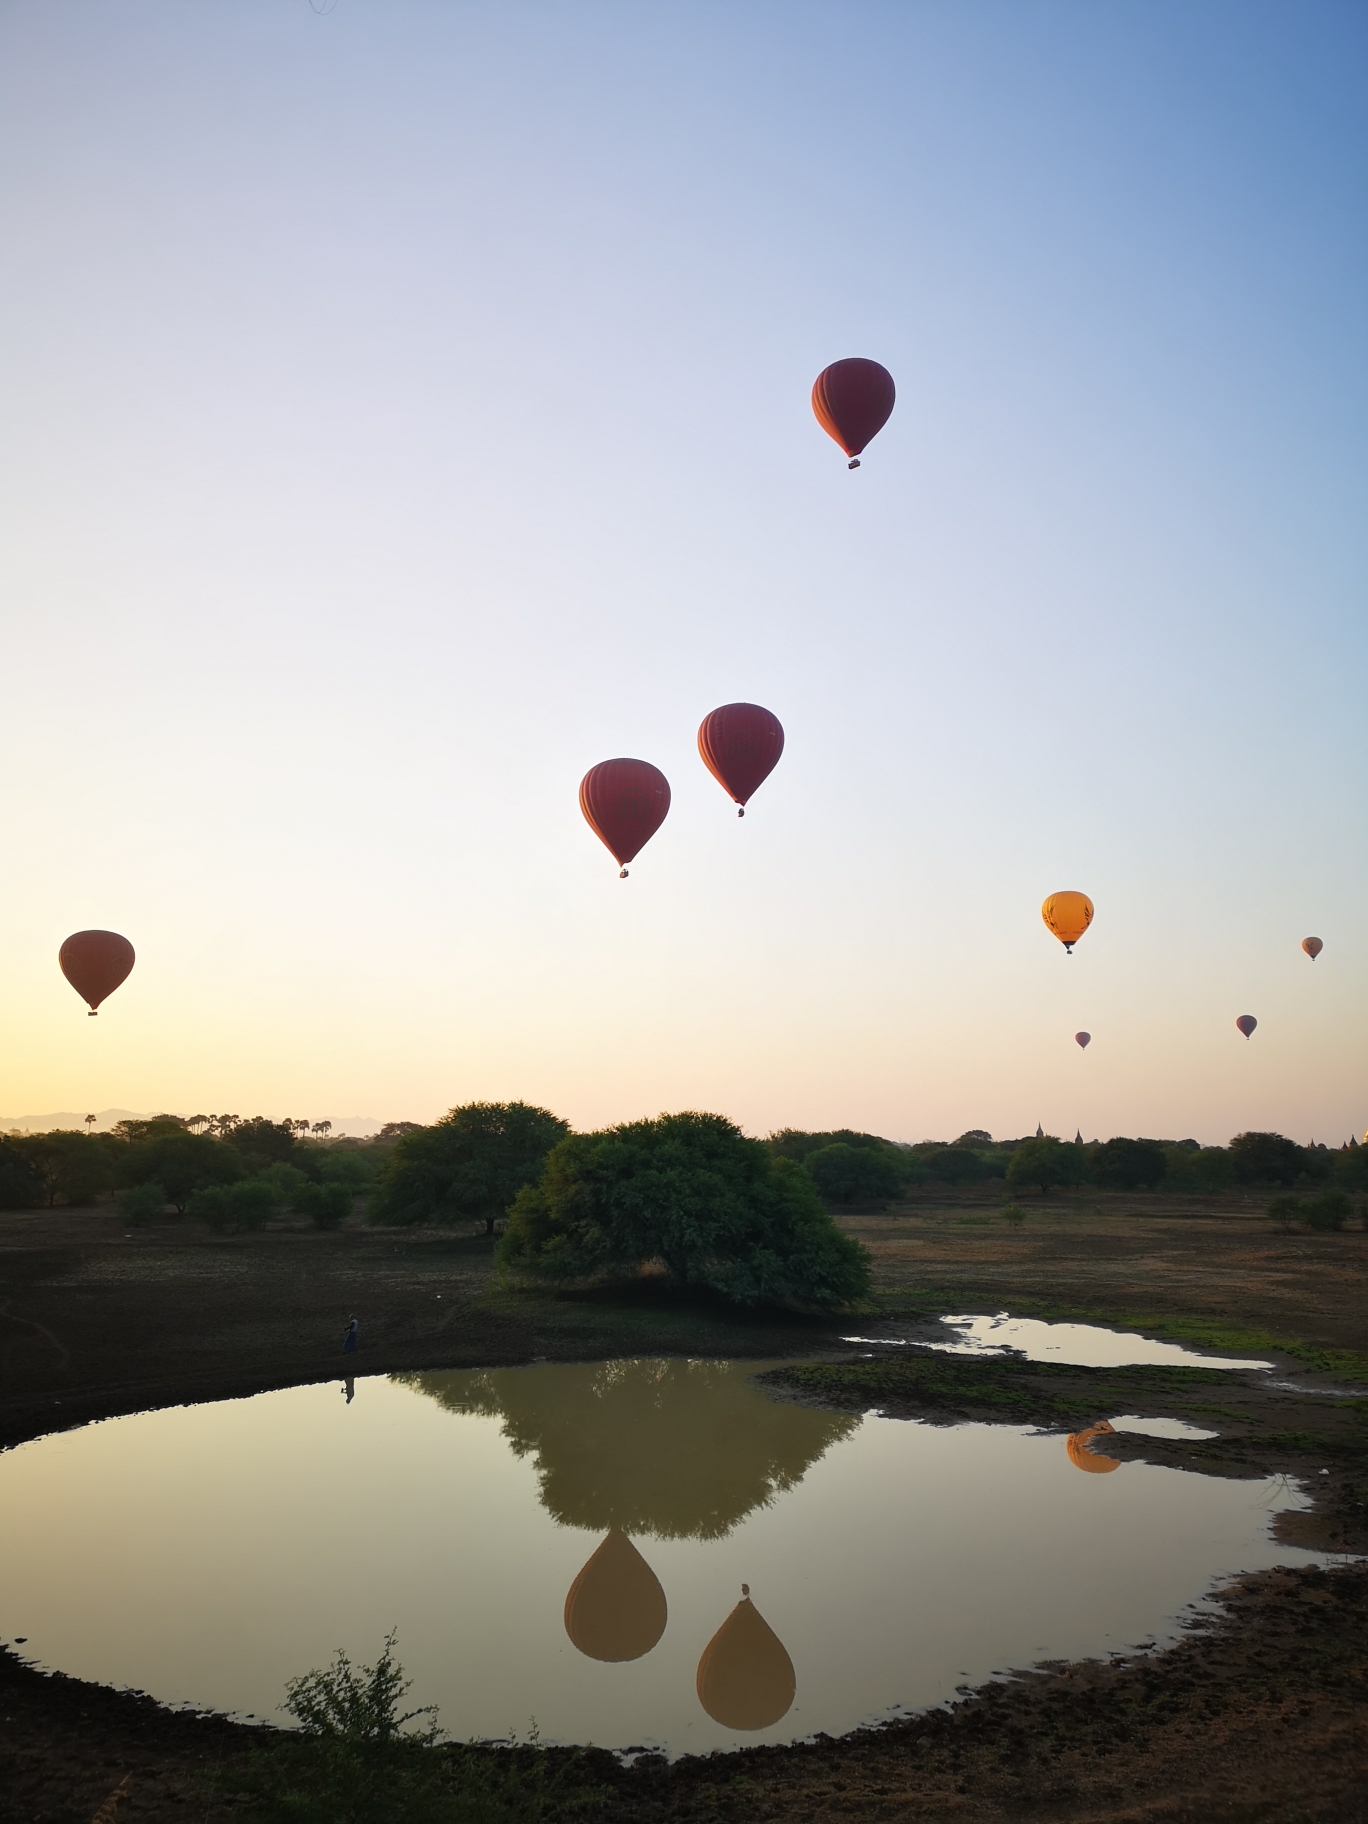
(1077, 1444)
(745, 1677)
(349, 1389)
(615, 1609)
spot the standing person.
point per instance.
(349, 1340)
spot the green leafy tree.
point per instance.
(69, 1166)
(21, 1183)
(248, 1204)
(1128, 1165)
(260, 1143)
(1201, 1170)
(954, 1164)
(141, 1204)
(467, 1167)
(1266, 1159)
(693, 1193)
(1351, 1168)
(1043, 1163)
(853, 1174)
(326, 1205)
(1329, 1212)
(179, 1161)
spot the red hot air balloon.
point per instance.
(1083, 1040)
(853, 401)
(741, 744)
(1312, 946)
(1246, 1023)
(95, 962)
(624, 803)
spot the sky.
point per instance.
(405, 406)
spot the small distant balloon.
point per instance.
(1312, 946)
(1246, 1023)
(740, 745)
(853, 401)
(624, 803)
(1068, 915)
(1083, 1040)
(95, 962)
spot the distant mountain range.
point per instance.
(357, 1127)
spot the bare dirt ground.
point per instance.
(1264, 1717)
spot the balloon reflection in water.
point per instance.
(615, 1609)
(1083, 1458)
(745, 1677)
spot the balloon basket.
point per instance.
(854, 463)
(623, 875)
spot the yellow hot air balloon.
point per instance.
(745, 1677)
(1068, 915)
(615, 1608)
(1082, 1458)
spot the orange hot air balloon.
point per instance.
(1083, 1040)
(745, 1677)
(615, 1609)
(95, 962)
(1082, 1458)
(1246, 1023)
(740, 745)
(1068, 915)
(624, 803)
(1312, 946)
(853, 401)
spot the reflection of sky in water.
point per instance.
(207, 1553)
(1077, 1345)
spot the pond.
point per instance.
(568, 1545)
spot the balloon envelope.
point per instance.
(1081, 1457)
(1068, 915)
(1312, 946)
(624, 803)
(1083, 1039)
(615, 1609)
(853, 401)
(95, 962)
(740, 745)
(745, 1677)
(1246, 1023)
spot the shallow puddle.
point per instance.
(1073, 1345)
(568, 1544)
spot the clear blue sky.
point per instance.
(403, 408)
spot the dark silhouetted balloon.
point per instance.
(1083, 1039)
(95, 962)
(624, 803)
(853, 401)
(1312, 946)
(741, 744)
(745, 1677)
(1068, 915)
(1246, 1023)
(615, 1609)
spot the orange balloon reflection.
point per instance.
(745, 1677)
(1083, 1458)
(615, 1609)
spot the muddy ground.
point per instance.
(1264, 1716)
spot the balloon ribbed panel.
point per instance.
(740, 745)
(624, 803)
(853, 400)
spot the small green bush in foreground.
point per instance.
(142, 1204)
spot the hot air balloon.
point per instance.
(615, 1609)
(853, 400)
(740, 745)
(1083, 1040)
(745, 1677)
(1246, 1023)
(624, 803)
(1312, 946)
(1068, 915)
(95, 962)
(1082, 1458)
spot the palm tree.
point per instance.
(322, 1127)
(91, 1120)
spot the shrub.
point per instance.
(1285, 1213)
(691, 1191)
(1013, 1214)
(141, 1204)
(249, 1204)
(853, 1174)
(1328, 1212)
(1128, 1165)
(289, 1181)
(326, 1205)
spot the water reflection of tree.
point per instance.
(669, 1448)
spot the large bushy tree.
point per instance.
(165, 1152)
(691, 1192)
(469, 1166)
(1045, 1162)
(1267, 1159)
(1128, 1165)
(854, 1174)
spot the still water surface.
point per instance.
(207, 1553)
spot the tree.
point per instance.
(1128, 1165)
(261, 1143)
(955, 1164)
(68, 1164)
(179, 1161)
(1266, 1159)
(21, 1184)
(395, 1130)
(1204, 1170)
(1351, 1167)
(853, 1174)
(467, 1167)
(692, 1192)
(326, 1205)
(322, 1128)
(1044, 1162)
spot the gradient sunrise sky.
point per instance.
(406, 406)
